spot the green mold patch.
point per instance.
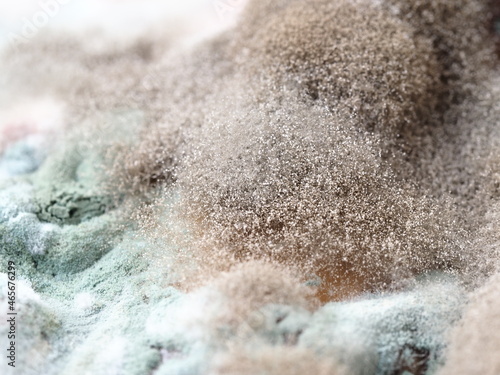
(73, 208)
(13, 247)
(79, 247)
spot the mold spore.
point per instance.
(349, 55)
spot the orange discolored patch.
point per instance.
(340, 285)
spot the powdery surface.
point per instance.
(474, 343)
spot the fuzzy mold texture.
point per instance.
(303, 188)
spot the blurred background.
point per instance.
(100, 23)
(21, 20)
